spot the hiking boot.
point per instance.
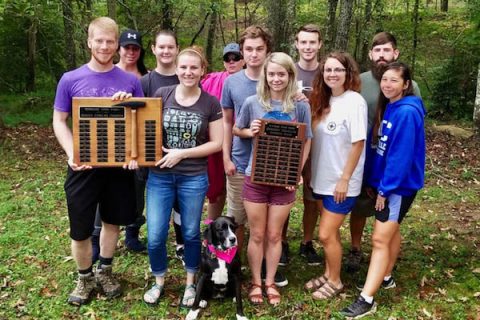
(386, 284)
(279, 279)
(105, 279)
(359, 309)
(84, 289)
(308, 252)
(95, 248)
(285, 253)
(131, 239)
(354, 260)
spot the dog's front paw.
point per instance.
(203, 304)
(192, 314)
(239, 317)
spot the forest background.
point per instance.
(438, 273)
(439, 39)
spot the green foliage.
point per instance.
(35, 108)
(446, 55)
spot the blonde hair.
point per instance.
(105, 24)
(263, 90)
(197, 52)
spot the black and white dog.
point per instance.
(219, 275)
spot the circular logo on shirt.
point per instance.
(331, 126)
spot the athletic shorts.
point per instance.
(271, 195)
(216, 177)
(396, 208)
(235, 208)
(112, 189)
(329, 203)
(308, 192)
(365, 206)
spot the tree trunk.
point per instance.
(343, 29)
(444, 6)
(85, 8)
(476, 107)
(280, 21)
(31, 54)
(167, 23)
(330, 31)
(200, 29)
(112, 9)
(365, 41)
(235, 10)
(211, 33)
(415, 35)
(68, 22)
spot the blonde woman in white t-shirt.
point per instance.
(339, 116)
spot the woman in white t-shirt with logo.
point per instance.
(339, 117)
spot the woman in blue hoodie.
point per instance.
(397, 173)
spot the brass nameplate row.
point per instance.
(277, 153)
(110, 133)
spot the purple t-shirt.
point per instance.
(83, 82)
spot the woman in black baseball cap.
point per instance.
(131, 53)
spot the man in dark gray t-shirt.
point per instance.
(308, 43)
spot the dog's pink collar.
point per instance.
(225, 255)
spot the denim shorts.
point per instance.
(272, 195)
(329, 203)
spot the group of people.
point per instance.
(364, 153)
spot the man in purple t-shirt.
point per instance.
(112, 189)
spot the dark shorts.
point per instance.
(329, 203)
(396, 208)
(364, 206)
(112, 189)
(272, 195)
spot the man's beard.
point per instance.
(379, 69)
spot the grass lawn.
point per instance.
(437, 275)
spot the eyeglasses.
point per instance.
(232, 57)
(336, 70)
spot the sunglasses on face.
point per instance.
(232, 57)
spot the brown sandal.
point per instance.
(315, 283)
(273, 296)
(255, 298)
(327, 291)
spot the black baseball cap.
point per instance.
(131, 36)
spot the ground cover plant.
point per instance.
(438, 273)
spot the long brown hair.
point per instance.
(320, 97)
(383, 101)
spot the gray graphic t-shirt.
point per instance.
(187, 127)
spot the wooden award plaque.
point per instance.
(277, 153)
(110, 133)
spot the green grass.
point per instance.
(34, 108)
(435, 273)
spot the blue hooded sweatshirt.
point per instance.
(398, 165)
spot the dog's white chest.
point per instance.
(220, 275)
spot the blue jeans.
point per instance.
(162, 191)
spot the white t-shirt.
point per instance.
(332, 141)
